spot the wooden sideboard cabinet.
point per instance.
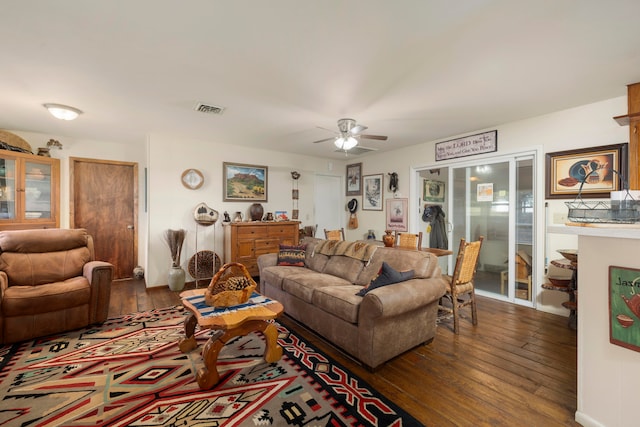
(244, 242)
(29, 191)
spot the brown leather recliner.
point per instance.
(50, 283)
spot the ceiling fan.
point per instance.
(349, 132)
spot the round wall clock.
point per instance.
(192, 179)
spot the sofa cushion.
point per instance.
(292, 255)
(31, 269)
(304, 285)
(343, 267)
(32, 300)
(313, 260)
(276, 274)
(423, 264)
(387, 276)
(340, 301)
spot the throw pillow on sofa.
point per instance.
(292, 255)
(387, 276)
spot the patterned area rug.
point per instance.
(130, 372)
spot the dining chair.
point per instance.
(409, 240)
(460, 287)
(334, 234)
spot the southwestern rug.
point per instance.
(130, 372)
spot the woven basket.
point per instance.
(234, 274)
(15, 141)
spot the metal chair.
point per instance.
(460, 286)
(409, 240)
(334, 234)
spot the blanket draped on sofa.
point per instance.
(356, 250)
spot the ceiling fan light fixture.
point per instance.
(62, 112)
(347, 143)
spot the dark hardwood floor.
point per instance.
(517, 367)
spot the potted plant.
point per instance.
(174, 239)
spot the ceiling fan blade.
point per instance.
(378, 137)
(330, 130)
(324, 140)
(357, 129)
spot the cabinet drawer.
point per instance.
(266, 246)
(281, 230)
(251, 231)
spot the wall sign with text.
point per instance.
(624, 307)
(486, 142)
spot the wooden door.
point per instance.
(104, 201)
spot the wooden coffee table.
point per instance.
(227, 324)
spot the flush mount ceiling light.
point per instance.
(62, 112)
(347, 143)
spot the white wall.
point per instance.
(584, 126)
(171, 205)
(94, 149)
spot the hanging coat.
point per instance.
(434, 215)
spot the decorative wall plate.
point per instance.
(192, 179)
(204, 215)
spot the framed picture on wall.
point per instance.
(354, 179)
(432, 191)
(244, 183)
(397, 214)
(373, 189)
(591, 172)
(624, 307)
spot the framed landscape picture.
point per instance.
(373, 186)
(244, 183)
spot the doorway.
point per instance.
(104, 201)
(328, 190)
(495, 199)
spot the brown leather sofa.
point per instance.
(50, 283)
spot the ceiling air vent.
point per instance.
(208, 109)
(358, 150)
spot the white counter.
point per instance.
(622, 231)
(608, 375)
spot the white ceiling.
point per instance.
(415, 70)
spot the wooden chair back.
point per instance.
(466, 262)
(334, 234)
(409, 240)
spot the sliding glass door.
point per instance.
(496, 200)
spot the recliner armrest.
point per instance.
(4, 283)
(99, 274)
(93, 269)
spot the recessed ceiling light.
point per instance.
(62, 112)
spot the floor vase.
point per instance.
(176, 278)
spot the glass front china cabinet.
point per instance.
(29, 191)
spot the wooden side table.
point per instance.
(228, 323)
